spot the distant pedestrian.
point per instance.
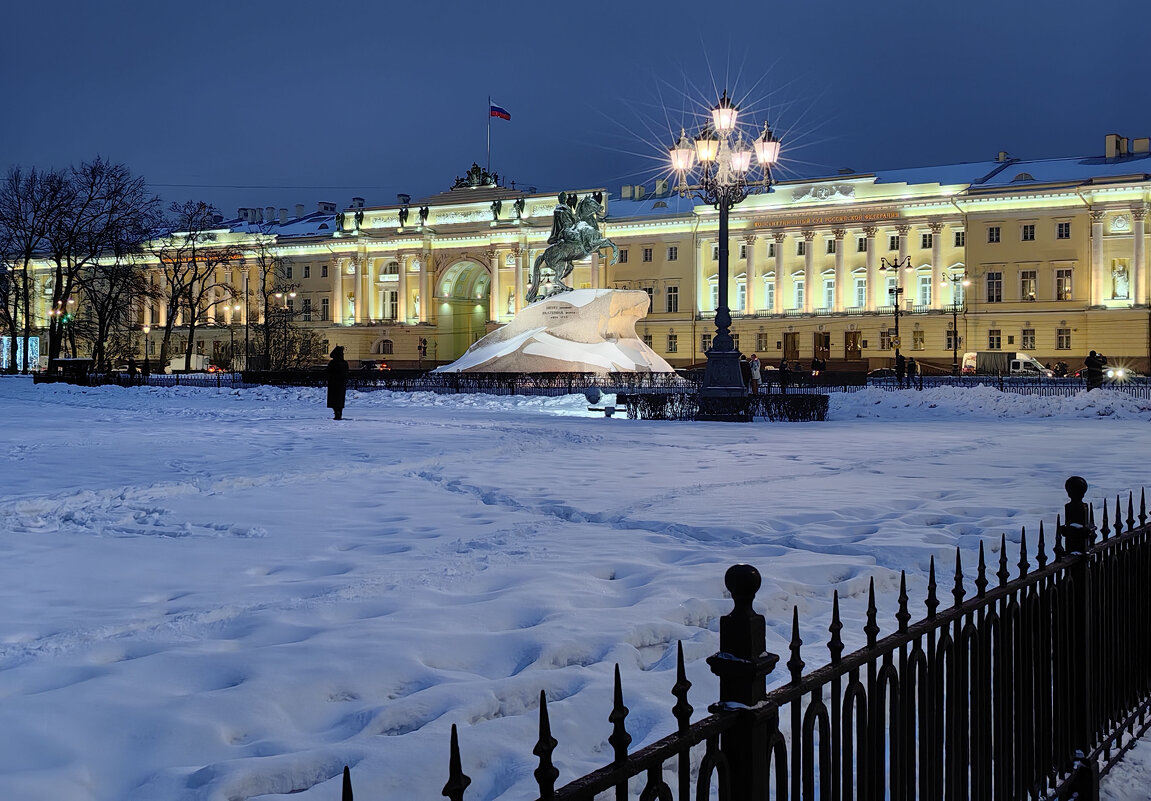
(337, 382)
(900, 368)
(815, 365)
(1094, 369)
(912, 371)
(784, 370)
(146, 370)
(756, 373)
(744, 371)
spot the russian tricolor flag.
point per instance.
(498, 111)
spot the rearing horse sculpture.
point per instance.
(579, 241)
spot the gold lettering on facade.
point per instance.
(827, 219)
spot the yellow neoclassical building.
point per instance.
(1045, 256)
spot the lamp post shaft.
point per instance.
(722, 340)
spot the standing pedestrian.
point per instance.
(912, 371)
(900, 369)
(337, 382)
(1094, 364)
(783, 375)
(753, 365)
(744, 371)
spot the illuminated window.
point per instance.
(917, 340)
(860, 292)
(829, 293)
(1027, 285)
(761, 341)
(925, 286)
(324, 309)
(1063, 284)
(885, 337)
(798, 295)
(769, 293)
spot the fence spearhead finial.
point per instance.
(932, 602)
(795, 664)
(835, 644)
(619, 739)
(903, 616)
(547, 773)
(346, 794)
(457, 781)
(1023, 564)
(871, 628)
(1041, 556)
(981, 574)
(1003, 574)
(682, 709)
(957, 591)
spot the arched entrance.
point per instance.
(461, 299)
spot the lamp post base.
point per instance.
(723, 389)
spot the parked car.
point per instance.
(1116, 374)
(373, 365)
(881, 373)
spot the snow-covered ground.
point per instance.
(217, 594)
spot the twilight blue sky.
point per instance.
(283, 102)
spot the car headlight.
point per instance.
(1110, 373)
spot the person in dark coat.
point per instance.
(337, 382)
(745, 371)
(1094, 364)
(900, 368)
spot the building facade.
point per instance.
(1045, 256)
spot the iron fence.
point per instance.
(1029, 689)
(217, 380)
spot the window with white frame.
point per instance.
(860, 291)
(704, 343)
(324, 309)
(1027, 283)
(735, 342)
(1063, 283)
(992, 233)
(647, 340)
(288, 271)
(307, 271)
(917, 340)
(1027, 339)
(924, 294)
(960, 239)
(831, 245)
(951, 343)
(799, 294)
(647, 254)
(673, 299)
(958, 291)
(994, 339)
(672, 343)
(925, 241)
(1027, 232)
(769, 292)
(743, 250)
(892, 285)
(801, 247)
(323, 271)
(650, 297)
(885, 337)
(623, 255)
(995, 287)
(893, 242)
(715, 252)
(1063, 230)
(861, 244)
(771, 250)
(307, 310)
(741, 295)
(1062, 339)
(714, 291)
(673, 253)
(829, 293)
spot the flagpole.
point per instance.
(489, 133)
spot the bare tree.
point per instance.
(274, 293)
(189, 255)
(30, 204)
(106, 214)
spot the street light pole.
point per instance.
(247, 315)
(722, 180)
(896, 292)
(955, 280)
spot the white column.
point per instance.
(702, 294)
(523, 264)
(873, 270)
(841, 288)
(369, 285)
(494, 300)
(900, 278)
(1097, 282)
(1139, 256)
(337, 292)
(780, 237)
(402, 289)
(751, 277)
(937, 265)
(808, 271)
(425, 290)
(358, 289)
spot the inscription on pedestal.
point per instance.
(559, 312)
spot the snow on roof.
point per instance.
(1069, 170)
(315, 224)
(650, 206)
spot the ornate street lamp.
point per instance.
(896, 292)
(722, 178)
(956, 280)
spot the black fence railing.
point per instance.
(552, 384)
(1029, 689)
(218, 380)
(1138, 387)
(797, 407)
